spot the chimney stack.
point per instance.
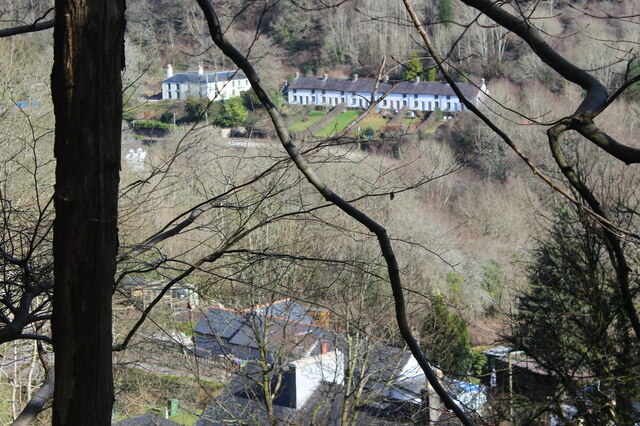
(200, 70)
(324, 348)
(385, 79)
(169, 71)
(355, 77)
(325, 76)
(417, 79)
(297, 76)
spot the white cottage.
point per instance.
(356, 93)
(214, 85)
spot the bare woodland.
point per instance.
(523, 205)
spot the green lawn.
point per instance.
(338, 124)
(375, 121)
(313, 117)
(409, 121)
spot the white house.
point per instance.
(214, 85)
(356, 93)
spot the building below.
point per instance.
(214, 85)
(356, 93)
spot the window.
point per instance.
(415, 96)
(404, 95)
(415, 104)
(295, 98)
(448, 97)
(436, 96)
(353, 101)
(448, 105)
(313, 91)
(404, 103)
(342, 92)
(384, 102)
(342, 99)
(353, 93)
(437, 105)
(324, 99)
(324, 91)
(429, 106)
(313, 99)
(360, 102)
(294, 91)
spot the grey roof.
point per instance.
(205, 77)
(367, 85)
(285, 320)
(241, 401)
(220, 322)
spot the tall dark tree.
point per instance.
(87, 97)
(445, 338)
(572, 322)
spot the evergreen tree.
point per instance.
(445, 338)
(431, 74)
(445, 11)
(232, 113)
(571, 321)
(413, 68)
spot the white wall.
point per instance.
(307, 374)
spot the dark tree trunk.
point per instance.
(86, 86)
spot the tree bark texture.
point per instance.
(86, 86)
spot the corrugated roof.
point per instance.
(205, 77)
(367, 85)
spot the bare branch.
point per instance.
(385, 245)
(24, 29)
(37, 402)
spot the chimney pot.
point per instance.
(297, 76)
(200, 70)
(355, 77)
(169, 71)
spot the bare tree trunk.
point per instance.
(86, 87)
(36, 404)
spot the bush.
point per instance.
(151, 125)
(195, 108)
(445, 338)
(232, 113)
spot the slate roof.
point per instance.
(285, 320)
(206, 77)
(241, 402)
(367, 85)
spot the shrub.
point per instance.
(151, 125)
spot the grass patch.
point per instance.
(375, 121)
(313, 117)
(140, 392)
(410, 120)
(152, 110)
(338, 125)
